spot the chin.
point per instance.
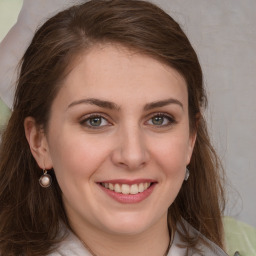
(128, 224)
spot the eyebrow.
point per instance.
(162, 103)
(113, 106)
(97, 102)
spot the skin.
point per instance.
(134, 140)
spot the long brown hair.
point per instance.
(29, 214)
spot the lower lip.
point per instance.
(129, 198)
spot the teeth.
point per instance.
(127, 189)
(141, 187)
(117, 188)
(134, 189)
(146, 185)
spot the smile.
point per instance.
(127, 189)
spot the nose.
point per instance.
(130, 151)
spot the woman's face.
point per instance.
(119, 140)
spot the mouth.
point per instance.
(127, 189)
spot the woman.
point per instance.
(108, 117)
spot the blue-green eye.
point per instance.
(95, 121)
(161, 120)
(158, 120)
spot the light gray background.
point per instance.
(223, 32)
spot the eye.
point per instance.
(95, 121)
(161, 120)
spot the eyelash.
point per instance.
(167, 118)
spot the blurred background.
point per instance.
(9, 10)
(224, 35)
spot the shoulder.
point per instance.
(204, 246)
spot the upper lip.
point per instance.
(127, 181)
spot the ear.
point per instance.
(191, 144)
(37, 141)
(192, 138)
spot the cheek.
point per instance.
(171, 154)
(78, 156)
(170, 157)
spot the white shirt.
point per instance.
(72, 246)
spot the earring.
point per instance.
(187, 174)
(45, 180)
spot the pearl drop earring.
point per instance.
(45, 180)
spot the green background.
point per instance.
(9, 10)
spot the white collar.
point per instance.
(72, 246)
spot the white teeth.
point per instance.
(146, 185)
(127, 189)
(117, 188)
(141, 187)
(134, 189)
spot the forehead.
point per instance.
(97, 52)
(111, 69)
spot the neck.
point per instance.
(152, 242)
